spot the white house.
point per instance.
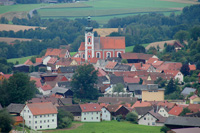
(45, 89)
(46, 59)
(152, 118)
(39, 116)
(91, 112)
(163, 111)
(105, 114)
(177, 74)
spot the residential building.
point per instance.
(39, 116)
(187, 90)
(91, 112)
(163, 111)
(15, 108)
(105, 114)
(118, 109)
(194, 99)
(142, 110)
(175, 111)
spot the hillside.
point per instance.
(10, 40)
(105, 31)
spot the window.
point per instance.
(104, 111)
(52, 114)
(92, 113)
(153, 123)
(35, 116)
(52, 120)
(98, 55)
(89, 56)
(28, 111)
(97, 118)
(44, 121)
(48, 126)
(29, 116)
(40, 116)
(83, 55)
(144, 118)
(89, 40)
(108, 55)
(24, 110)
(35, 122)
(29, 122)
(44, 115)
(47, 120)
(118, 54)
(35, 127)
(84, 118)
(151, 118)
(48, 115)
(40, 121)
(92, 118)
(40, 126)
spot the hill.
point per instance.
(105, 31)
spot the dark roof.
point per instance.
(183, 121)
(114, 108)
(133, 87)
(122, 67)
(68, 69)
(116, 100)
(116, 79)
(160, 118)
(71, 108)
(101, 80)
(193, 115)
(66, 101)
(15, 108)
(116, 59)
(143, 110)
(187, 91)
(60, 90)
(64, 84)
(186, 130)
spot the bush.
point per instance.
(132, 117)
(65, 119)
(164, 129)
(119, 118)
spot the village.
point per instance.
(136, 73)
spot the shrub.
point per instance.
(132, 117)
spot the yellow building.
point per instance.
(153, 93)
(194, 99)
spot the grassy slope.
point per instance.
(112, 127)
(130, 48)
(21, 60)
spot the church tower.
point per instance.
(89, 41)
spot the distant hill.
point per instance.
(105, 31)
(16, 28)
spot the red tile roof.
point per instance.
(52, 60)
(170, 66)
(42, 108)
(7, 76)
(37, 81)
(193, 97)
(172, 72)
(64, 79)
(90, 107)
(166, 104)
(176, 110)
(46, 87)
(192, 67)
(93, 60)
(82, 47)
(101, 72)
(111, 65)
(28, 62)
(131, 80)
(79, 60)
(199, 74)
(64, 62)
(152, 60)
(18, 119)
(157, 63)
(136, 56)
(56, 52)
(112, 42)
(38, 60)
(114, 108)
(141, 104)
(194, 107)
(1, 73)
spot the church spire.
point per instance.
(89, 28)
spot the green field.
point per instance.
(130, 48)
(112, 127)
(21, 60)
(103, 10)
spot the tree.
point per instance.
(124, 61)
(139, 49)
(171, 87)
(6, 121)
(20, 88)
(185, 111)
(65, 119)
(141, 81)
(132, 117)
(164, 129)
(118, 88)
(83, 82)
(181, 36)
(185, 70)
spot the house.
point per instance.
(194, 108)
(62, 53)
(194, 99)
(136, 89)
(175, 111)
(163, 111)
(64, 62)
(21, 68)
(137, 57)
(177, 75)
(51, 63)
(45, 89)
(14, 108)
(116, 100)
(91, 112)
(105, 114)
(100, 47)
(117, 109)
(175, 66)
(152, 118)
(122, 67)
(64, 92)
(142, 110)
(68, 69)
(177, 45)
(186, 130)
(152, 93)
(141, 104)
(187, 90)
(2, 77)
(74, 109)
(174, 122)
(165, 104)
(101, 63)
(39, 116)
(110, 66)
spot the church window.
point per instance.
(118, 54)
(98, 55)
(89, 40)
(108, 54)
(83, 55)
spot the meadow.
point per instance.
(103, 10)
(20, 60)
(111, 127)
(130, 48)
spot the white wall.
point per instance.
(44, 92)
(106, 115)
(39, 122)
(163, 112)
(179, 76)
(91, 116)
(46, 59)
(148, 119)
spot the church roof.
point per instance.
(82, 47)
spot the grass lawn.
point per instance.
(72, 53)
(21, 60)
(112, 127)
(130, 48)
(103, 10)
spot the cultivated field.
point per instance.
(160, 44)
(10, 40)
(111, 127)
(103, 10)
(16, 28)
(105, 31)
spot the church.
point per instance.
(100, 47)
